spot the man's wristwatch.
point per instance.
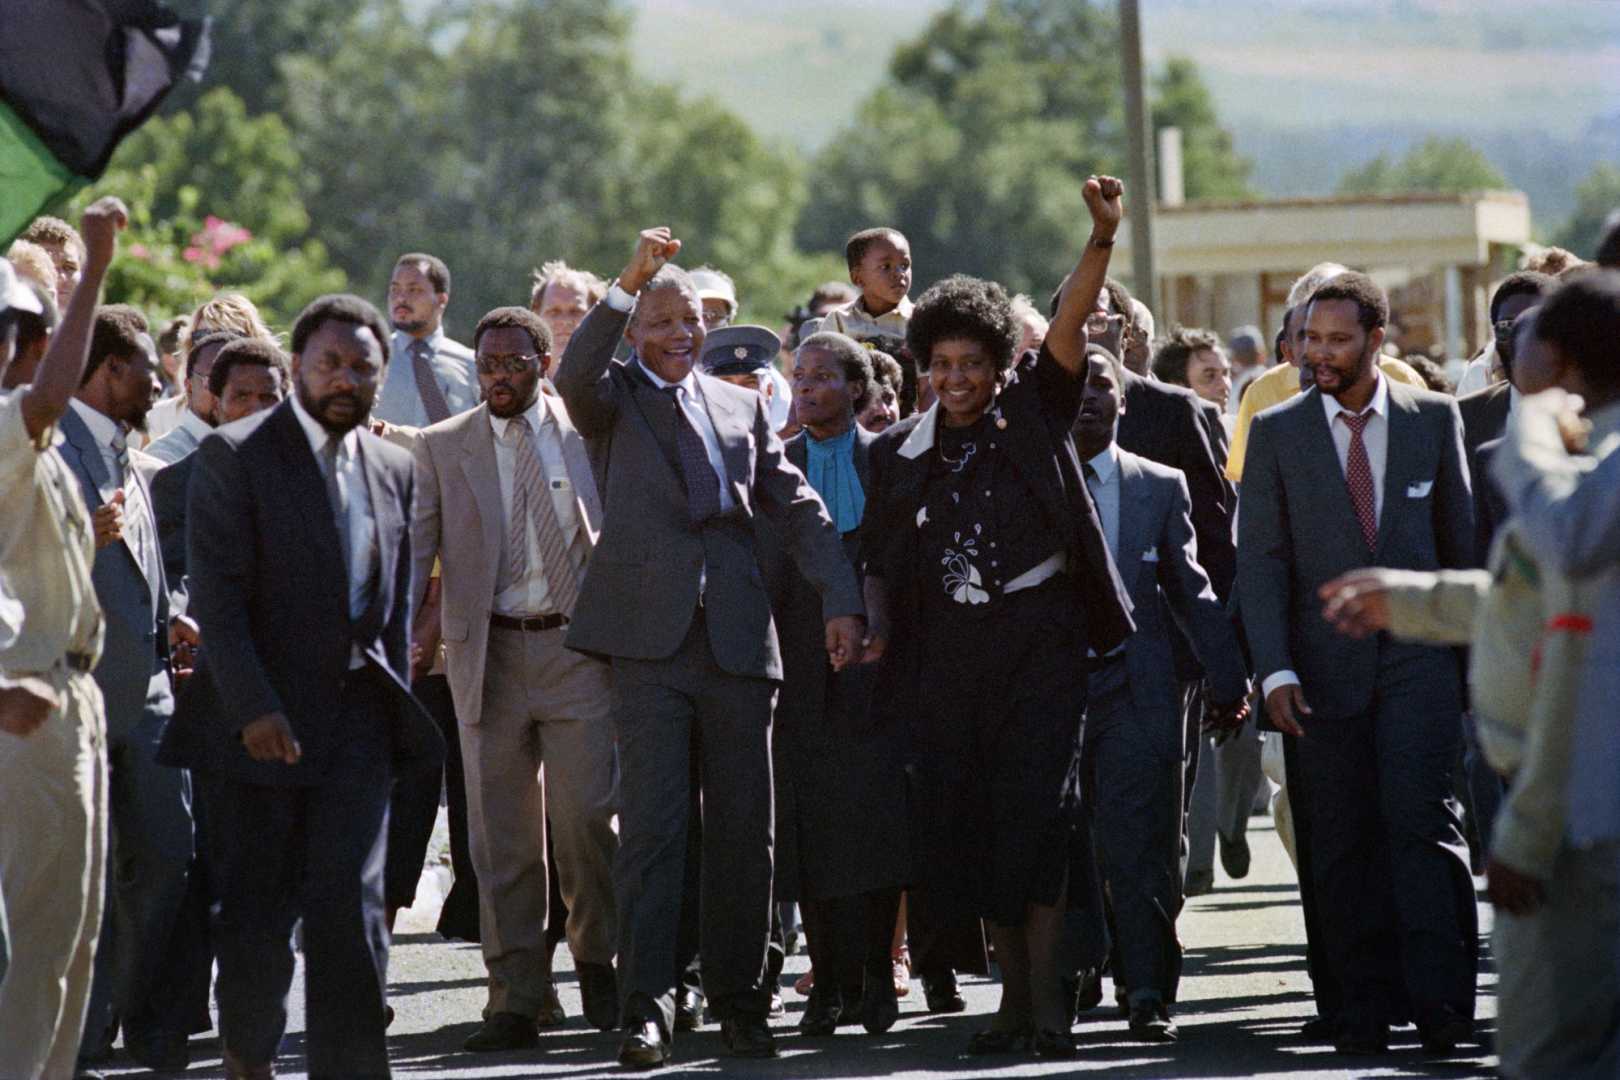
(1097, 241)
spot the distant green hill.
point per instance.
(1309, 88)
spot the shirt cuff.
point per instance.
(1276, 679)
(619, 300)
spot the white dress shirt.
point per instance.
(1375, 437)
(362, 556)
(139, 528)
(532, 594)
(399, 401)
(1105, 492)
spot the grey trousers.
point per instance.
(53, 844)
(154, 938)
(1558, 989)
(1223, 794)
(1133, 766)
(543, 748)
(666, 711)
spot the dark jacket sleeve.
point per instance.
(1193, 603)
(221, 558)
(1453, 497)
(786, 498)
(1265, 552)
(169, 507)
(1204, 467)
(583, 377)
(396, 635)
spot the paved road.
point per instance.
(1243, 996)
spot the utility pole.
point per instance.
(1139, 195)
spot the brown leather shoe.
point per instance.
(235, 1069)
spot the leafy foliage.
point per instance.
(1436, 165)
(1596, 198)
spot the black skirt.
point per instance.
(995, 745)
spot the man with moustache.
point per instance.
(1377, 721)
(300, 709)
(432, 378)
(154, 931)
(507, 503)
(675, 597)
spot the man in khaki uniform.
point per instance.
(53, 763)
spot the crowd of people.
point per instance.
(938, 633)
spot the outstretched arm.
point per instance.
(62, 366)
(1066, 339)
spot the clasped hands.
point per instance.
(1225, 719)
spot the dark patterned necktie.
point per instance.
(702, 484)
(426, 385)
(1358, 477)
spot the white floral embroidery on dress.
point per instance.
(962, 580)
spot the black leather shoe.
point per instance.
(644, 1046)
(1199, 883)
(1445, 1033)
(1320, 1029)
(551, 1014)
(822, 1012)
(1150, 1022)
(880, 1008)
(942, 994)
(984, 1043)
(747, 1037)
(1357, 1036)
(503, 1031)
(1235, 856)
(599, 990)
(688, 1009)
(1055, 1044)
(158, 1051)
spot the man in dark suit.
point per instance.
(301, 699)
(156, 927)
(1377, 720)
(1134, 729)
(674, 596)
(251, 377)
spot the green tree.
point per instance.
(1212, 167)
(1596, 198)
(977, 145)
(215, 202)
(1436, 165)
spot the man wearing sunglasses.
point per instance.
(507, 503)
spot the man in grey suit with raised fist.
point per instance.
(1362, 471)
(674, 598)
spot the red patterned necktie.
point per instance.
(1358, 477)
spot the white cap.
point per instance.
(713, 286)
(15, 293)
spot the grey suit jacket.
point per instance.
(1297, 529)
(134, 669)
(459, 519)
(1158, 563)
(641, 590)
(173, 446)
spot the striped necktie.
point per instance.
(427, 386)
(532, 502)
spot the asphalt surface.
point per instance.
(1244, 995)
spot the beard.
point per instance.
(328, 409)
(409, 326)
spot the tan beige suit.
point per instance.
(536, 727)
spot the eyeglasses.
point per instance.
(508, 365)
